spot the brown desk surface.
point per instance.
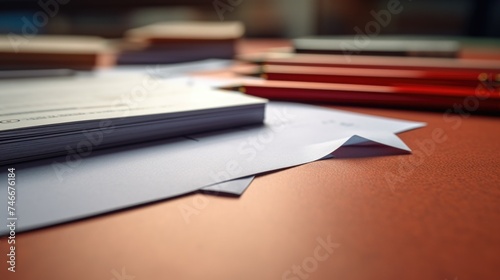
(441, 220)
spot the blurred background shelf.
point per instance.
(262, 18)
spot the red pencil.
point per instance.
(481, 99)
(363, 76)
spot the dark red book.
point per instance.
(374, 62)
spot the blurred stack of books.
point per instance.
(53, 52)
(161, 43)
(173, 42)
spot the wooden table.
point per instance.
(431, 215)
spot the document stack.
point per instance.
(48, 117)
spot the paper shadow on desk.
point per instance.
(368, 150)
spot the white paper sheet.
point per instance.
(234, 187)
(55, 191)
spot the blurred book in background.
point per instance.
(172, 42)
(55, 52)
(380, 45)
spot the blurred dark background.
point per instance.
(262, 18)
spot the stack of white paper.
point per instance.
(47, 117)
